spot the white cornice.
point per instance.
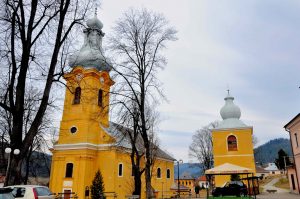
(96, 147)
(78, 146)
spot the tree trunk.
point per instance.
(15, 168)
(148, 181)
(148, 172)
(137, 184)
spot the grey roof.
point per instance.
(260, 169)
(121, 134)
(186, 176)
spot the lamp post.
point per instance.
(178, 183)
(8, 151)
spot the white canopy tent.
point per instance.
(229, 169)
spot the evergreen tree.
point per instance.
(282, 161)
(235, 177)
(97, 187)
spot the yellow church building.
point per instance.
(88, 141)
(232, 142)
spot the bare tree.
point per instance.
(201, 147)
(254, 140)
(33, 37)
(129, 126)
(137, 43)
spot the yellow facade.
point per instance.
(85, 142)
(189, 183)
(243, 156)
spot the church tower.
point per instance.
(232, 140)
(88, 141)
(85, 116)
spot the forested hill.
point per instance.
(268, 152)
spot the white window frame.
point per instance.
(157, 173)
(237, 142)
(169, 173)
(122, 170)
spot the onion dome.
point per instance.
(91, 53)
(230, 114)
(230, 110)
(94, 23)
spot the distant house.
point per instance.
(202, 182)
(261, 172)
(293, 128)
(272, 169)
(186, 180)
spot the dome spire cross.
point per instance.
(95, 11)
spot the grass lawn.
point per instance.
(283, 183)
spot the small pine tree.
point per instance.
(97, 187)
(235, 177)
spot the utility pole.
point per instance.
(178, 183)
(284, 164)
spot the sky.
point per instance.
(251, 47)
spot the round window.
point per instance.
(73, 129)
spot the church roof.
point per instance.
(120, 133)
(230, 114)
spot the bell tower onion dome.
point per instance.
(230, 114)
(230, 110)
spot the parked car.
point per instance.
(231, 188)
(5, 193)
(31, 192)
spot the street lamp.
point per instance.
(178, 183)
(8, 151)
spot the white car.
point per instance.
(31, 192)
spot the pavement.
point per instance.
(279, 194)
(270, 186)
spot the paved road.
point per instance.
(279, 194)
(270, 186)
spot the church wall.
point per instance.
(163, 184)
(243, 156)
(83, 165)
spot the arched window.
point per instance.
(158, 173)
(100, 96)
(69, 170)
(232, 143)
(168, 173)
(120, 170)
(77, 95)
